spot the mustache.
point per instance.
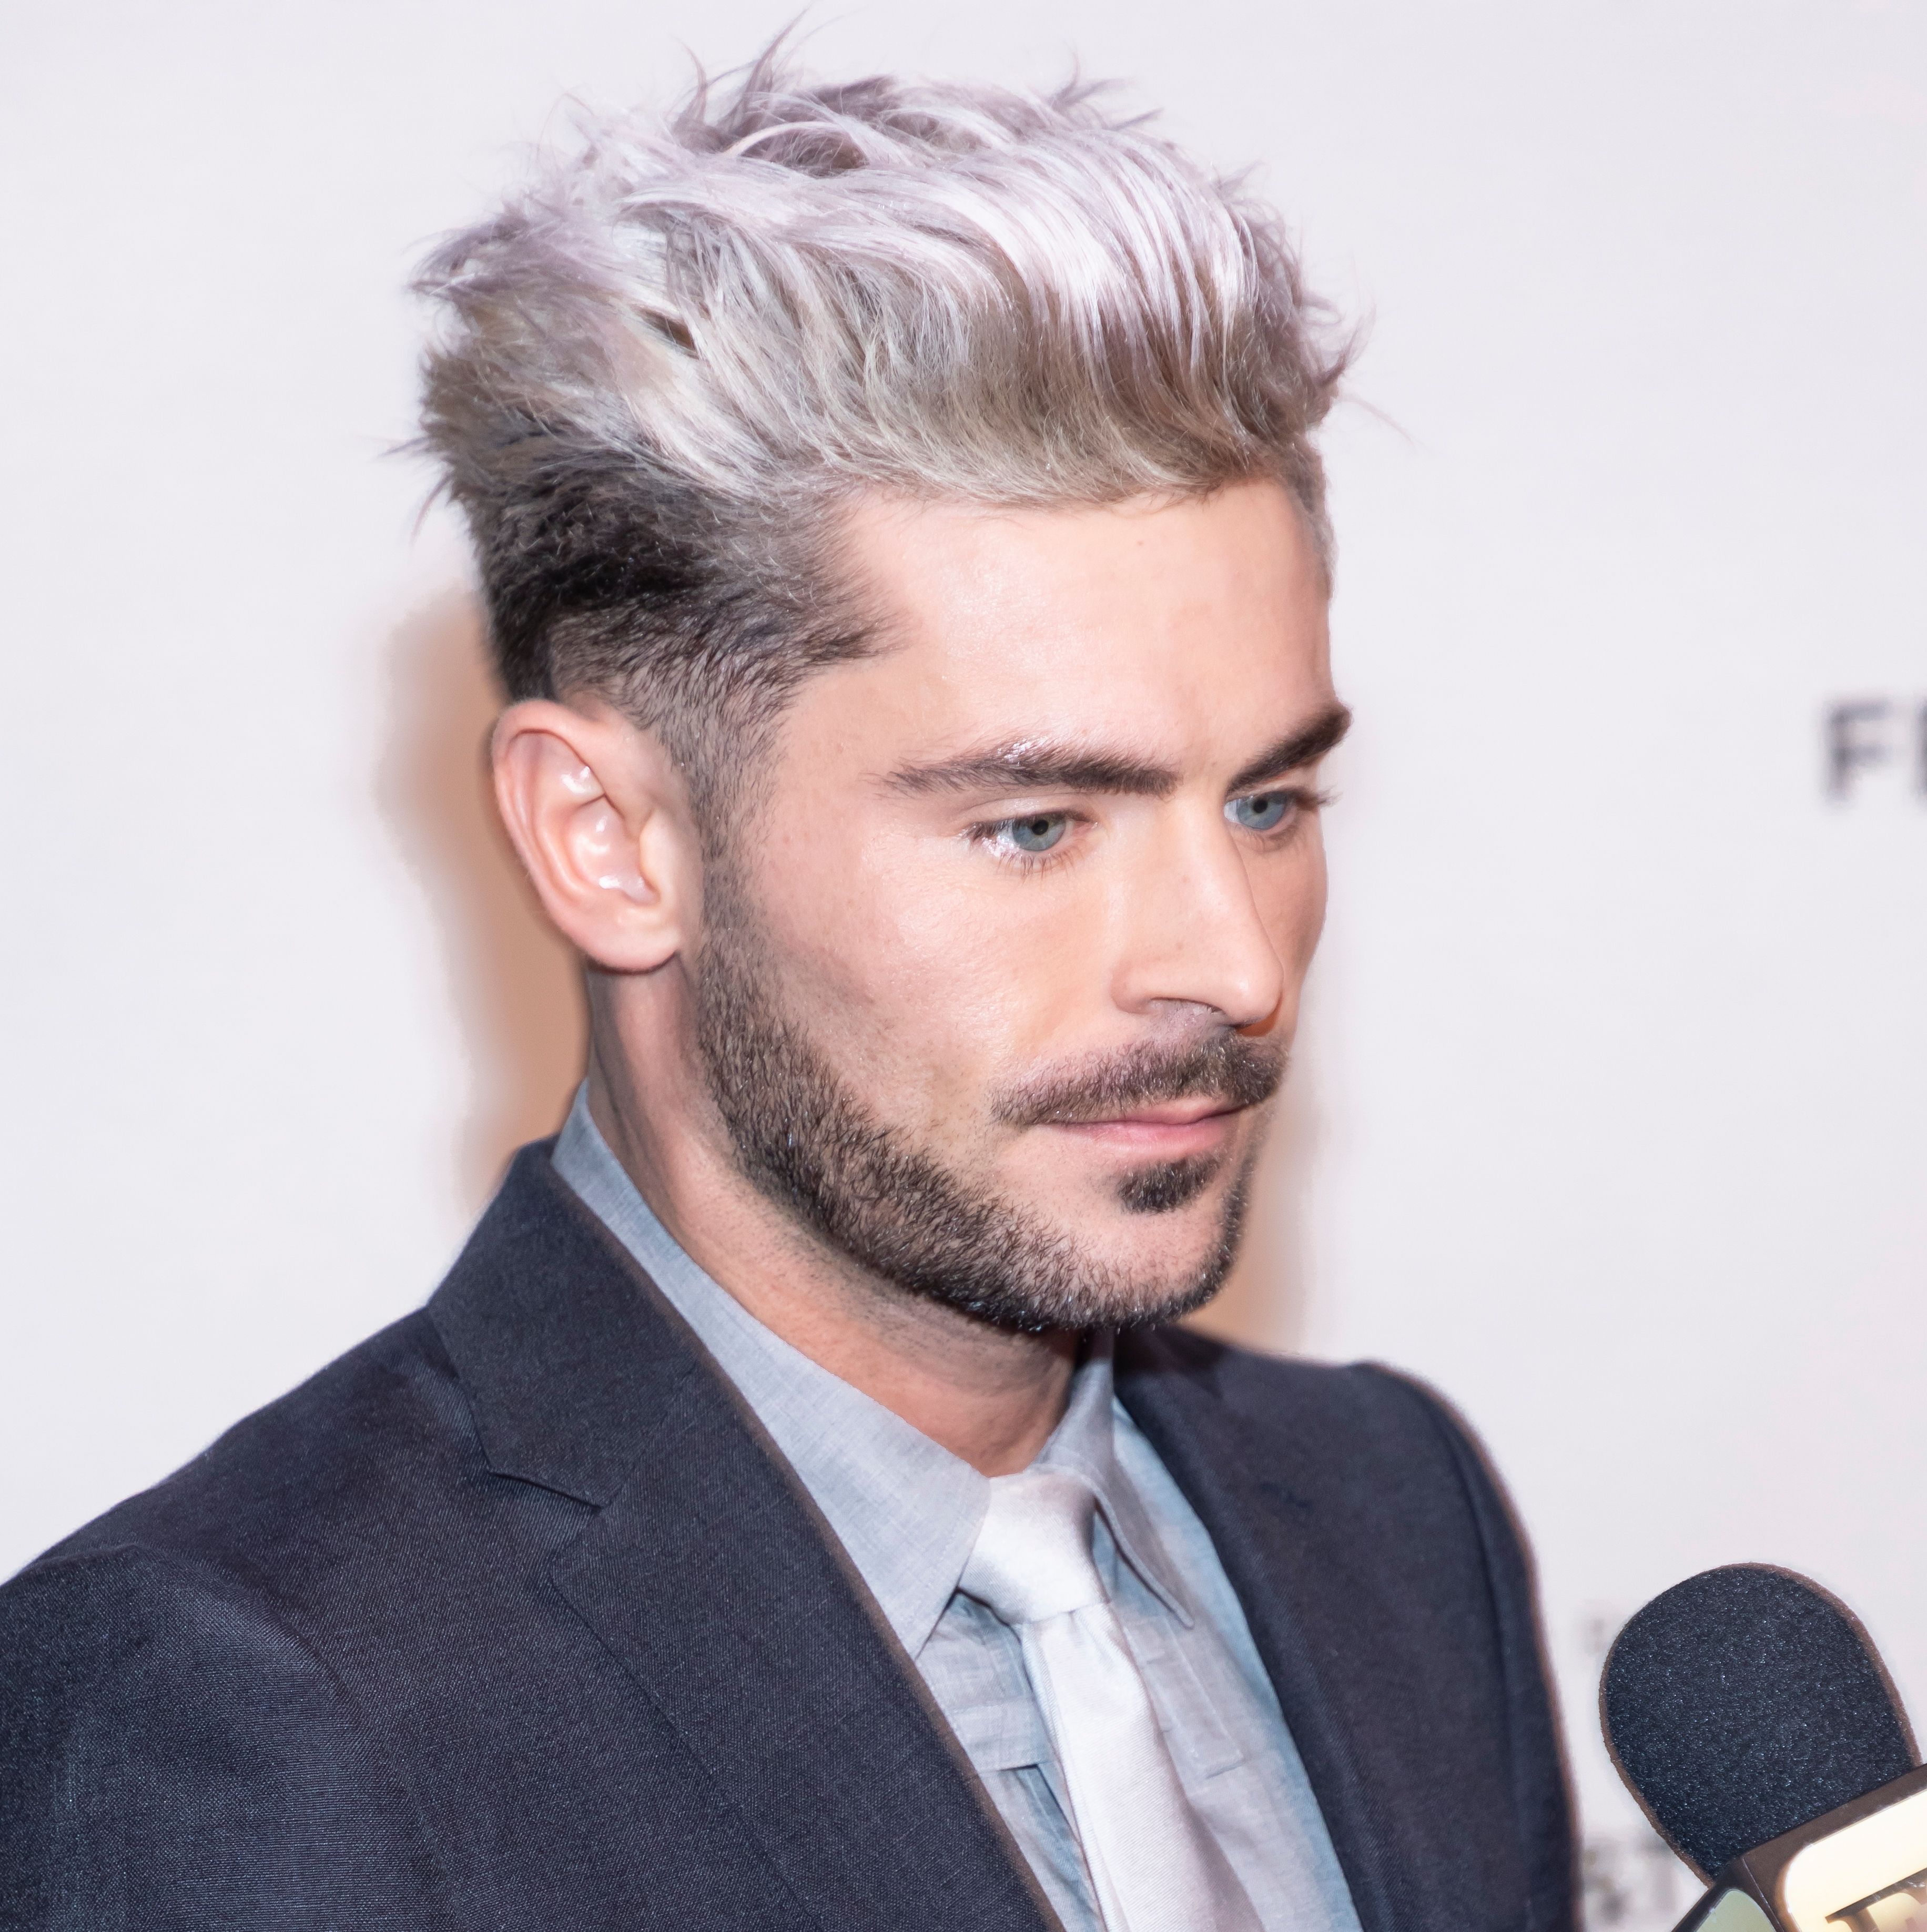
(1226, 1067)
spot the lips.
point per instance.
(1173, 1113)
(1176, 1130)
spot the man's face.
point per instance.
(1000, 970)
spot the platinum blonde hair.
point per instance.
(666, 365)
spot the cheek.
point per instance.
(1292, 901)
(980, 971)
(883, 945)
(917, 968)
(1310, 920)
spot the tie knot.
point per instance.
(1032, 1557)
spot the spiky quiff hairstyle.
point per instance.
(667, 363)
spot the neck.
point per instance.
(988, 1395)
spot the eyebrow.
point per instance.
(1032, 765)
(1305, 746)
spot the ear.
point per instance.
(599, 816)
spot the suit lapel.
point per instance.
(707, 1573)
(1269, 1538)
(711, 1583)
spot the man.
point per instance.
(905, 550)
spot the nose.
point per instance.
(1195, 934)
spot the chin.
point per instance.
(1152, 1301)
(1149, 1269)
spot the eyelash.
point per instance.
(1306, 800)
(986, 834)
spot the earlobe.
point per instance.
(591, 807)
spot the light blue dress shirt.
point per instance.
(906, 1513)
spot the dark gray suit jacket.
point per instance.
(511, 1619)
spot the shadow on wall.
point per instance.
(517, 986)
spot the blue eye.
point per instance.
(1262, 811)
(1039, 833)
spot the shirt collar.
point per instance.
(1083, 1444)
(905, 1509)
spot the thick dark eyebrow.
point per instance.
(1305, 746)
(1030, 766)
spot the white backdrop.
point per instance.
(1613, 1104)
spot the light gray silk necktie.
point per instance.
(1154, 1866)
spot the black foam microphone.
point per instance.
(1755, 1724)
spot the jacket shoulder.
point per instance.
(1386, 1463)
(1381, 1434)
(353, 1443)
(172, 1755)
(186, 1735)
(1355, 1406)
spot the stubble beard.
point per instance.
(808, 1142)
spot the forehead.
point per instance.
(1191, 627)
